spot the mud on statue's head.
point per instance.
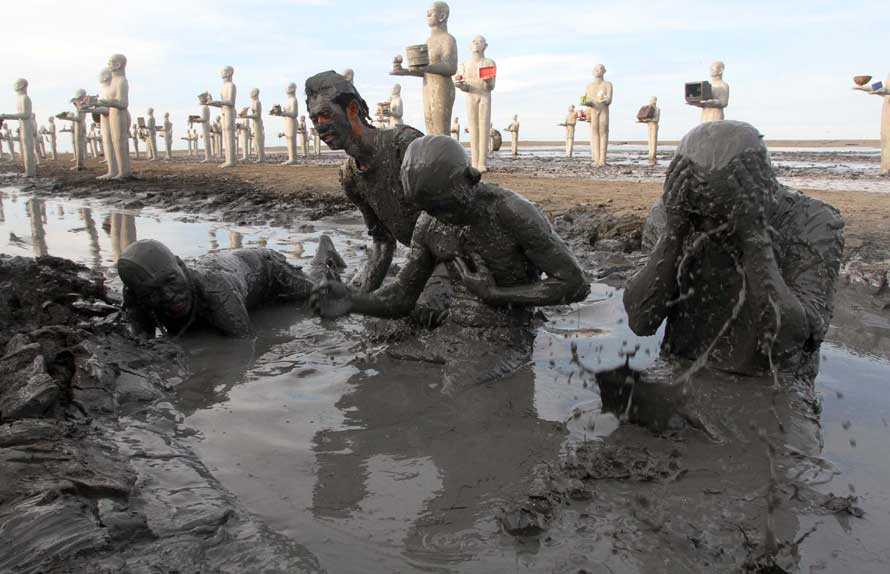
(712, 148)
(336, 109)
(436, 177)
(157, 278)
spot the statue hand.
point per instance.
(479, 283)
(330, 299)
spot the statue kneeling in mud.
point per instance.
(492, 247)
(744, 269)
(370, 177)
(218, 291)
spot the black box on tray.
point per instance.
(646, 113)
(698, 91)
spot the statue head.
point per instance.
(349, 74)
(599, 71)
(396, 89)
(166, 115)
(712, 147)
(79, 94)
(653, 101)
(227, 72)
(157, 279)
(572, 108)
(436, 178)
(51, 120)
(291, 89)
(437, 14)
(105, 76)
(717, 69)
(478, 45)
(515, 117)
(254, 93)
(20, 86)
(117, 63)
(150, 111)
(336, 109)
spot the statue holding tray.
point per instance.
(290, 115)
(226, 103)
(881, 89)
(27, 135)
(569, 125)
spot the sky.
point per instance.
(789, 63)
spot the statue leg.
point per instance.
(473, 124)
(260, 144)
(653, 142)
(29, 161)
(229, 144)
(121, 143)
(594, 136)
(885, 136)
(291, 150)
(485, 131)
(604, 136)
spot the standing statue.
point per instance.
(396, 110)
(244, 129)
(168, 135)
(92, 136)
(513, 128)
(884, 92)
(712, 108)
(51, 134)
(78, 128)
(304, 136)
(316, 141)
(226, 103)
(569, 125)
(477, 78)
(151, 129)
(38, 139)
(41, 143)
(105, 128)
(651, 115)
(206, 127)
(598, 97)
(438, 88)
(290, 115)
(136, 135)
(117, 101)
(24, 115)
(455, 128)
(259, 132)
(10, 141)
(349, 74)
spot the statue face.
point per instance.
(433, 16)
(227, 73)
(291, 89)
(478, 45)
(717, 68)
(254, 93)
(599, 71)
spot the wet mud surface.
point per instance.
(309, 449)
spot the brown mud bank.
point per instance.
(94, 474)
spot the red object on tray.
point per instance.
(487, 72)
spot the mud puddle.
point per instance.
(368, 464)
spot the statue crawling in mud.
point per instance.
(218, 291)
(744, 269)
(370, 178)
(495, 246)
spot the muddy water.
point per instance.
(371, 466)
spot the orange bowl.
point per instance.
(861, 80)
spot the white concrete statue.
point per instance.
(136, 135)
(712, 109)
(92, 136)
(206, 131)
(78, 127)
(304, 143)
(51, 135)
(259, 131)
(24, 115)
(41, 143)
(455, 128)
(117, 100)
(226, 103)
(651, 119)
(36, 139)
(151, 133)
(598, 97)
(105, 125)
(513, 128)
(316, 141)
(10, 141)
(290, 115)
(349, 74)
(396, 109)
(244, 138)
(438, 88)
(569, 125)
(218, 137)
(884, 92)
(168, 135)
(478, 90)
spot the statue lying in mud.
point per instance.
(494, 245)
(218, 291)
(370, 178)
(744, 270)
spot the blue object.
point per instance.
(877, 86)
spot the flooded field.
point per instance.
(369, 464)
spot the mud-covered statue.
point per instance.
(489, 246)
(217, 291)
(744, 269)
(370, 178)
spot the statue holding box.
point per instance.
(712, 97)
(881, 89)
(598, 98)
(435, 62)
(651, 115)
(477, 78)
(569, 125)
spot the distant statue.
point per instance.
(884, 92)
(290, 113)
(438, 88)
(136, 135)
(226, 103)
(598, 97)
(396, 111)
(117, 100)
(78, 127)
(10, 141)
(349, 74)
(569, 125)
(513, 128)
(51, 135)
(92, 136)
(259, 132)
(712, 108)
(168, 135)
(478, 86)
(316, 141)
(151, 133)
(455, 128)
(304, 136)
(651, 115)
(24, 114)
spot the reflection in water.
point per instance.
(86, 214)
(235, 240)
(214, 244)
(37, 213)
(2, 215)
(122, 232)
(60, 211)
